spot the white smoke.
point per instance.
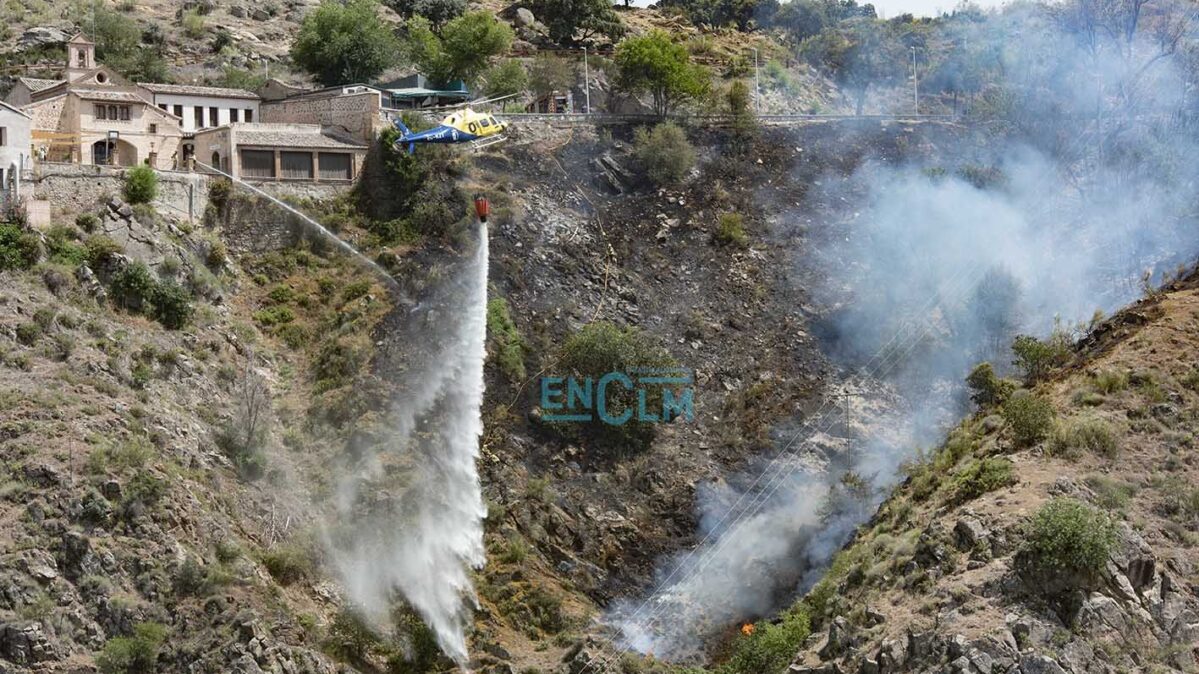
(410, 511)
(1084, 206)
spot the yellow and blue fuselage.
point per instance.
(462, 126)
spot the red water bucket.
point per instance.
(482, 207)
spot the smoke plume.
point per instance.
(934, 266)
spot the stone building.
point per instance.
(95, 116)
(355, 109)
(264, 152)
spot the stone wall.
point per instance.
(359, 114)
(72, 188)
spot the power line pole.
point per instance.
(757, 87)
(915, 84)
(586, 83)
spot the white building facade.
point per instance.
(16, 142)
(205, 107)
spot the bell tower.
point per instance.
(81, 56)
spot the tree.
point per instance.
(341, 44)
(664, 153)
(462, 50)
(505, 78)
(653, 63)
(739, 13)
(575, 21)
(548, 74)
(800, 19)
(119, 46)
(140, 185)
(438, 12)
(858, 53)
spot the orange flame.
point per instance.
(747, 629)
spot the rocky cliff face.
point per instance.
(951, 579)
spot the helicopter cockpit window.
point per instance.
(484, 123)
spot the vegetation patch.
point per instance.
(1073, 436)
(135, 654)
(1029, 416)
(507, 345)
(980, 477)
(1069, 540)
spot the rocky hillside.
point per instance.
(175, 394)
(1054, 531)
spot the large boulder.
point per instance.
(523, 18)
(41, 35)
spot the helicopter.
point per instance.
(463, 125)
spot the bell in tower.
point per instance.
(81, 56)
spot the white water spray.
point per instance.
(318, 227)
(410, 509)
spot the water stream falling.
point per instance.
(409, 508)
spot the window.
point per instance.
(112, 112)
(100, 112)
(249, 115)
(163, 106)
(179, 111)
(484, 123)
(232, 114)
(257, 164)
(3, 136)
(296, 165)
(199, 117)
(214, 117)
(125, 112)
(153, 128)
(334, 166)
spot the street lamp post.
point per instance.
(586, 83)
(757, 87)
(113, 137)
(915, 84)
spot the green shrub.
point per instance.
(1110, 381)
(193, 25)
(1068, 538)
(282, 294)
(1109, 493)
(62, 245)
(288, 564)
(979, 477)
(19, 249)
(771, 646)
(986, 388)
(172, 305)
(355, 290)
(731, 230)
(664, 153)
(1029, 416)
(137, 654)
(601, 348)
(1072, 436)
(508, 347)
(1038, 358)
(141, 185)
(133, 287)
(88, 222)
(349, 637)
(272, 316)
(29, 333)
(337, 362)
(99, 249)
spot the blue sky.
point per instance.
(890, 8)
